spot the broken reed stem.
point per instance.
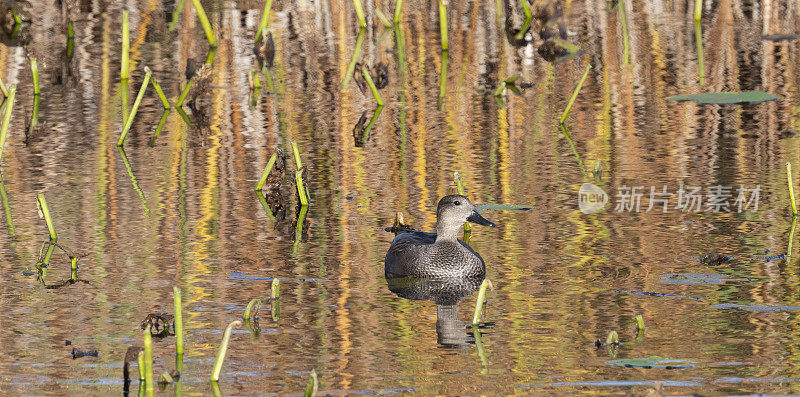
(126, 42)
(351, 67)
(462, 191)
(248, 310)
(383, 18)
(298, 176)
(176, 299)
(275, 290)
(185, 92)
(791, 187)
(639, 322)
(140, 360)
(201, 14)
(132, 115)
(160, 92)
(443, 24)
(313, 384)
(264, 20)
(575, 94)
(148, 361)
(35, 76)
(223, 348)
(476, 318)
(698, 10)
(7, 117)
(612, 338)
(267, 169)
(372, 86)
(42, 203)
(254, 78)
(398, 9)
(526, 9)
(362, 22)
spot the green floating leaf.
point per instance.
(490, 206)
(756, 307)
(726, 98)
(651, 362)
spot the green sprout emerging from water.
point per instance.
(791, 188)
(575, 94)
(223, 349)
(135, 108)
(476, 318)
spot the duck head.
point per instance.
(452, 212)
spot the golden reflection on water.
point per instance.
(558, 272)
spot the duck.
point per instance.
(441, 254)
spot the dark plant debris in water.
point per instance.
(78, 353)
(264, 51)
(159, 323)
(714, 259)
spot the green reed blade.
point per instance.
(698, 10)
(7, 117)
(264, 20)
(184, 93)
(253, 305)
(256, 82)
(623, 20)
(35, 76)
(612, 338)
(296, 154)
(135, 108)
(160, 92)
(383, 18)
(698, 39)
(639, 322)
(201, 14)
(443, 24)
(791, 187)
(3, 88)
(126, 42)
(223, 349)
(34, 115)
(42, 204)
(176, 14)
(791, 239)
(362, 22)
(301, 191)
(575, 94)
(70, 39)
(263, 201)
(267, 169)
(526, 9)
(443, 80)
(148, 361)
(476, 318)
(176, 300)
(298, 228)
(152, 141)
(372, 86)
(184, 116)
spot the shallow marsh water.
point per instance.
(563, 279)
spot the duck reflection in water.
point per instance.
(439, 267)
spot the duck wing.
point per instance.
(408, 250)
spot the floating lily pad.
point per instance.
(697, 279)
(651, 362)
(490, 206)
(756, 307)
(726, 98)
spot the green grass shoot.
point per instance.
(526, 9)
(313, 384)
(185, 92)
(362, 22)
(443, 80)
(160, 92)
(201, 14)
(140, 360)
(159, 127)
(791, 187)
(398, 11)
(248, 310)
(626, 46)
(223, 349)
(267, 169)
(443, 24)
(639, 322)
(176, 299)
(3, 88)
(372, 86)
(264, 20)
(575, 94)
(45, 213)
(354, 59)
(698, 40)
(298, 176)
(791, 239)
(132, 115)
(256, 82)
(126, 42)
(70, 39)
(476, 318)
(35, 76)
(148, 360)
(275, 290)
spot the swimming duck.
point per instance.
(440, 254)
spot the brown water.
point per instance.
(184, 212)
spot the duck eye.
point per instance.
(457, 202)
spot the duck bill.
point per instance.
(475, 217)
